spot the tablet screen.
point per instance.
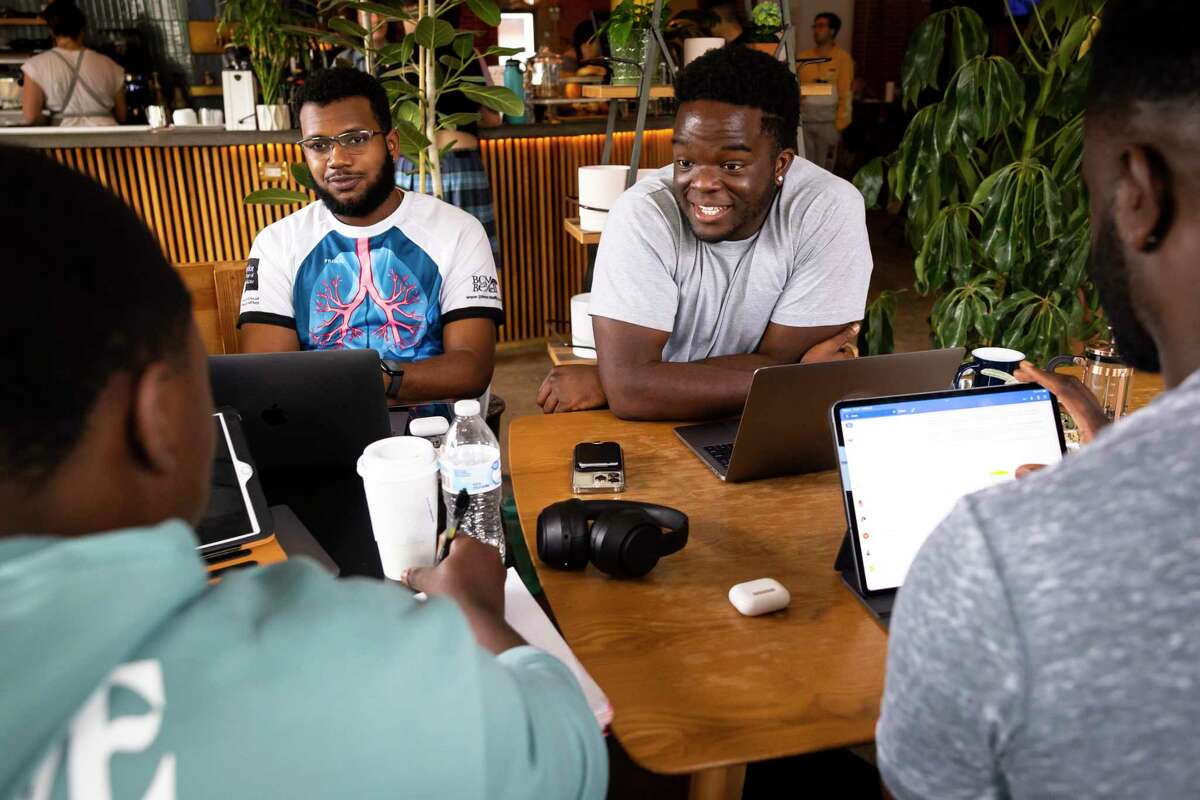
(905, 462)
(229, 515)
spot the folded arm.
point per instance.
(640, 385)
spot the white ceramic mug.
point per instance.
(212, 116)
(184, 116)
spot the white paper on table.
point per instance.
(526, 617)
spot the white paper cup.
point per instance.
(400, 476)
(212, 116)
(184, 116)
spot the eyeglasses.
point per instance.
(353, 142)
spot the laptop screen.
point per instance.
(905, 461)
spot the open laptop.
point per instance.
(784, 428)
(906, 460)
(307, 417)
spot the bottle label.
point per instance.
(476, 478)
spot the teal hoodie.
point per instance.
(123, 674)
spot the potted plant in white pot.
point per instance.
(766, 26)
(628, 29)
(259, 26)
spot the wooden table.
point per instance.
(695, 687)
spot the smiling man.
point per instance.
(737, 256)
(370, 266)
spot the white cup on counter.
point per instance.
(156, 116)
(212, 116)
(184, 116)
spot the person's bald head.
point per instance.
(1142, 168)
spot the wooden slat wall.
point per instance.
(191, 199)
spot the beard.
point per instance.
(378, 190)
(1110, 274)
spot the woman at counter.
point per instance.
(71, 85)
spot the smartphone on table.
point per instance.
(598, 467)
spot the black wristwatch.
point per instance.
(395, 371)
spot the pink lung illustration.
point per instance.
(403, 308)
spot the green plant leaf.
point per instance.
(619, 33)
(450, 62)
(869, 181)
(408, 111)
(502, 51)
(923, 58)
(486, 10)
(349, 28)
(456, 120)
(945, 250)
(412, 141)
(497, 98)
(989, 96)
(302, 175)
(276, 197)
(391, 54)
(391, 13)
(432, 33)
(968, 35)
(464, 45)
(876, 335)
(406, 49)
(1068, 49)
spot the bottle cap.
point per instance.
(466, 408)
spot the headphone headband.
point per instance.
(676, 522)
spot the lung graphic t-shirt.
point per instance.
(392, 286)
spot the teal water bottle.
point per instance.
(515, 82)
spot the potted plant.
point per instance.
(689, 33)
(628, 30)
(766, 25)
(259, 26)
(988, 175)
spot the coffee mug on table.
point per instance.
(990, 366)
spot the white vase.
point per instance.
(697, 46)
(273, 117)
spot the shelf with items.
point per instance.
(607, 91)
(571, 225)
(9, 22)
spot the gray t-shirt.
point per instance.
(1046, 642)
(808, 265)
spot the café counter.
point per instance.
(187, 185)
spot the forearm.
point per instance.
(659, 390)
(746, 362)
(456, 374)
(493, 633)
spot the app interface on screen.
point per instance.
(906, 464)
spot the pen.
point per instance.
(460, 509)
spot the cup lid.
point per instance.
(397, 457)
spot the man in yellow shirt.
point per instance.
(825, 117)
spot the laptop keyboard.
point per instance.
(721, 453)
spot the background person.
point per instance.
(71, 85)
(826, 117)
(735, 257)
(129, 675)
(1044, 642)
(371, 266)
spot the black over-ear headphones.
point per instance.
(625, 540)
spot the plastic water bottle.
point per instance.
(471, 460)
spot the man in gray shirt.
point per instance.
(1046, 640)
(735, 257)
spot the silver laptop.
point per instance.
(784, 427)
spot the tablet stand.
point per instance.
(879, 606)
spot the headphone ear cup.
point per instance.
(625, 543)
(562, 535)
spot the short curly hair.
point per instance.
(330, 85)
(740, 76)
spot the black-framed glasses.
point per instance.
(353, 142)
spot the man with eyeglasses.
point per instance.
(370, 266)
(825, 117)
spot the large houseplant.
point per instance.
(988, 173)
(433, 60)
(766, 27)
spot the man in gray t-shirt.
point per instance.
(1045, 642)
(737, 256)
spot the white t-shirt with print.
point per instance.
(392, 286)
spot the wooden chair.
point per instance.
(198, 278)
(229, 277)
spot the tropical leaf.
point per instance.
(388, 12)
(412, 141)
(464, 45)
(302, 175)
(968, 35)
(946, 249)
(276, 197)
(988, 96)
(497, 98)
(348, 28)
(432, 33)
(869, 181)
(456, 120)
(1068, 49)
(487, 11)
(923, 58)
(876, 334)
(391, 54)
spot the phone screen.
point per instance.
(597, 456)
(228, 515)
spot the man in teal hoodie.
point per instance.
(123, 673)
